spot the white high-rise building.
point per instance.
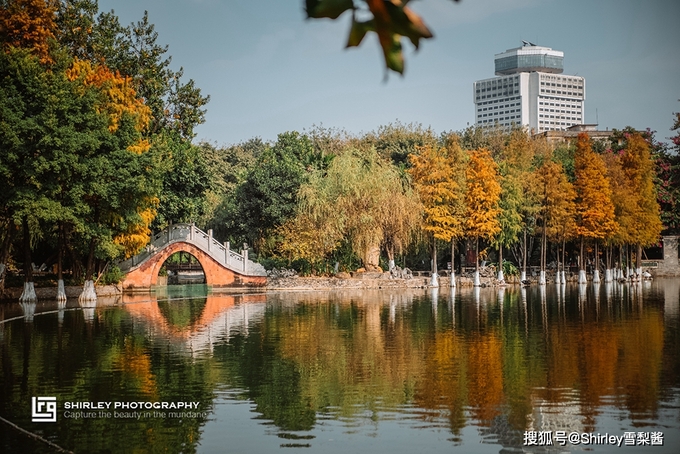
(530, 90)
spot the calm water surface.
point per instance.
(473, 370)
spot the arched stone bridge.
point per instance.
(222, 266)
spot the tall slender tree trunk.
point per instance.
(28, 295)
(452, 279)
(524, 257)
(61, 291)
(434, 279)
(582, 279)
(596, 269)
(89, 294)
(4, 253)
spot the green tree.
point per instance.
(267, 198)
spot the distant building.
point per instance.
(572, 132)
(530, 90)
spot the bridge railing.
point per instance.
(220, 252)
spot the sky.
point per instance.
(269, 70)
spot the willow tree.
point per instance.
(439, 178)
(356, 199)
(594, 208)
(481, 200)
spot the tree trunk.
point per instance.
(389, 249)
(582, 279)
(501, 277)
(61, 291)
(28, 295)
(4, 253)
(434, 279)
(452, 279)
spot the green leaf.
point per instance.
(327, 8)
(407, 23)
(358, 31)
(394, 59)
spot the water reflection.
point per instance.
(481, 365)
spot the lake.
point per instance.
(484, 370)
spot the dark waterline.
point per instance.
(349, 371)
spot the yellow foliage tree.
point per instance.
(121, 97)
(482, 198)
(557, 206)
(594, 208)
(439, 178)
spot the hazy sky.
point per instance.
(268, 70)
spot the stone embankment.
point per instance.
(13, 293)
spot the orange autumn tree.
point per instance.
(638, 167)
(594, 208)
(482, 199)
(121, 101)
(439, 178)
(28, 24)
(557, 207)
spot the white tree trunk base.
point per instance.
(89, 293)
(391, 265)
(564, 277)
(558, 278)
(523, 276)
(434, 280)
(501, 277)
(61, 291)
(596, 277)
(453, 280)
(582, 279)
(541, 278)
(477, 282)
(607, 275)
(28, 295)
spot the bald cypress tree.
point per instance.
(482, 200)
(594, 207)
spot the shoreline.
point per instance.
(296, 283)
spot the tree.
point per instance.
(358, 198)
(28, 24)
(594, 208)
(515, 163)
(668, 182)
(439, 178)
(267, 198)
(557, 207)
(638, 167)
(482, 198)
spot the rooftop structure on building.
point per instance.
(530, 90)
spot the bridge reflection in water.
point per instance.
(193, 324)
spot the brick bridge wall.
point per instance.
(146, 275)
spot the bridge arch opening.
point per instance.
(182, 268)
